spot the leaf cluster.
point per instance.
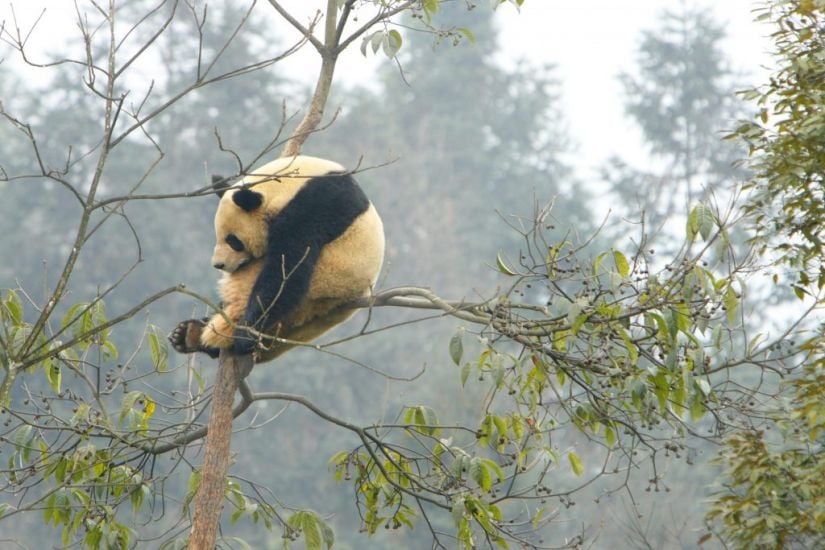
(787, 141)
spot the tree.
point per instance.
(772, 494)
(582, 368)
(682, 98)
(680, 94)
(785, 143)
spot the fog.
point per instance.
(561, 128)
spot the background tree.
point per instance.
(483, 138)
(772, 495)
(682, 98)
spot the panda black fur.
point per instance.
(296, 239)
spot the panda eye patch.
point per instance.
(234, 243)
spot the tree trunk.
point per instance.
(209, 500)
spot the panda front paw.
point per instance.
(186, 337)
(245, 341)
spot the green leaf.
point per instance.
(338, 458)
(424, 417)
(465, 373)
(598, 262)
(70, 317)
(731, 301)
(430, 6)
(517, 423)
(148, 407)
(704, 386)
(697, 410)
(236, 515)
(609, 436)
(157, 349)
(53, 374)
(393, 43)
(370, 39)
(480, 474)
(129, 401)
(14, 307)
(621, 263)
(700, 220)
(457, 348)
(537, 518)
(376, 41)
(22, 436)
(109, 349)
(138, 496)
(192, 485)
(503, 267)
(328, 534)
(578, 322)
(663, 332)
(575, 463)
(467, 33)
(430, 418)
(501, 427)
(98, 316)
(60, 470)
(457, 510)
(630, 346)
(312, 531)
(198, 379)
(498, 373)
(495, 468)
(486, 429)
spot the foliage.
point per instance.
(79, 437)
(586, 365)
(787, 141)
(629, 355)
(773, 494)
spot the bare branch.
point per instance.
(315, 110)
(306, 32)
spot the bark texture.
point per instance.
(209, 500)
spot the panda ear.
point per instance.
(220, 184)
(248, 199)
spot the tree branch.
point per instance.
(305, 31)
(315, 112)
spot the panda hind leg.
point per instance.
(186, 338)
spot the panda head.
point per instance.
(242, 219)
(240, 228)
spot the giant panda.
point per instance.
(296, 239)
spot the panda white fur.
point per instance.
(296, 239)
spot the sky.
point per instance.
(590, 43)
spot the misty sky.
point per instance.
(590, 42)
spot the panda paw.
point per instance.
(186, 337)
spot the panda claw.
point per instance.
(185, 338)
